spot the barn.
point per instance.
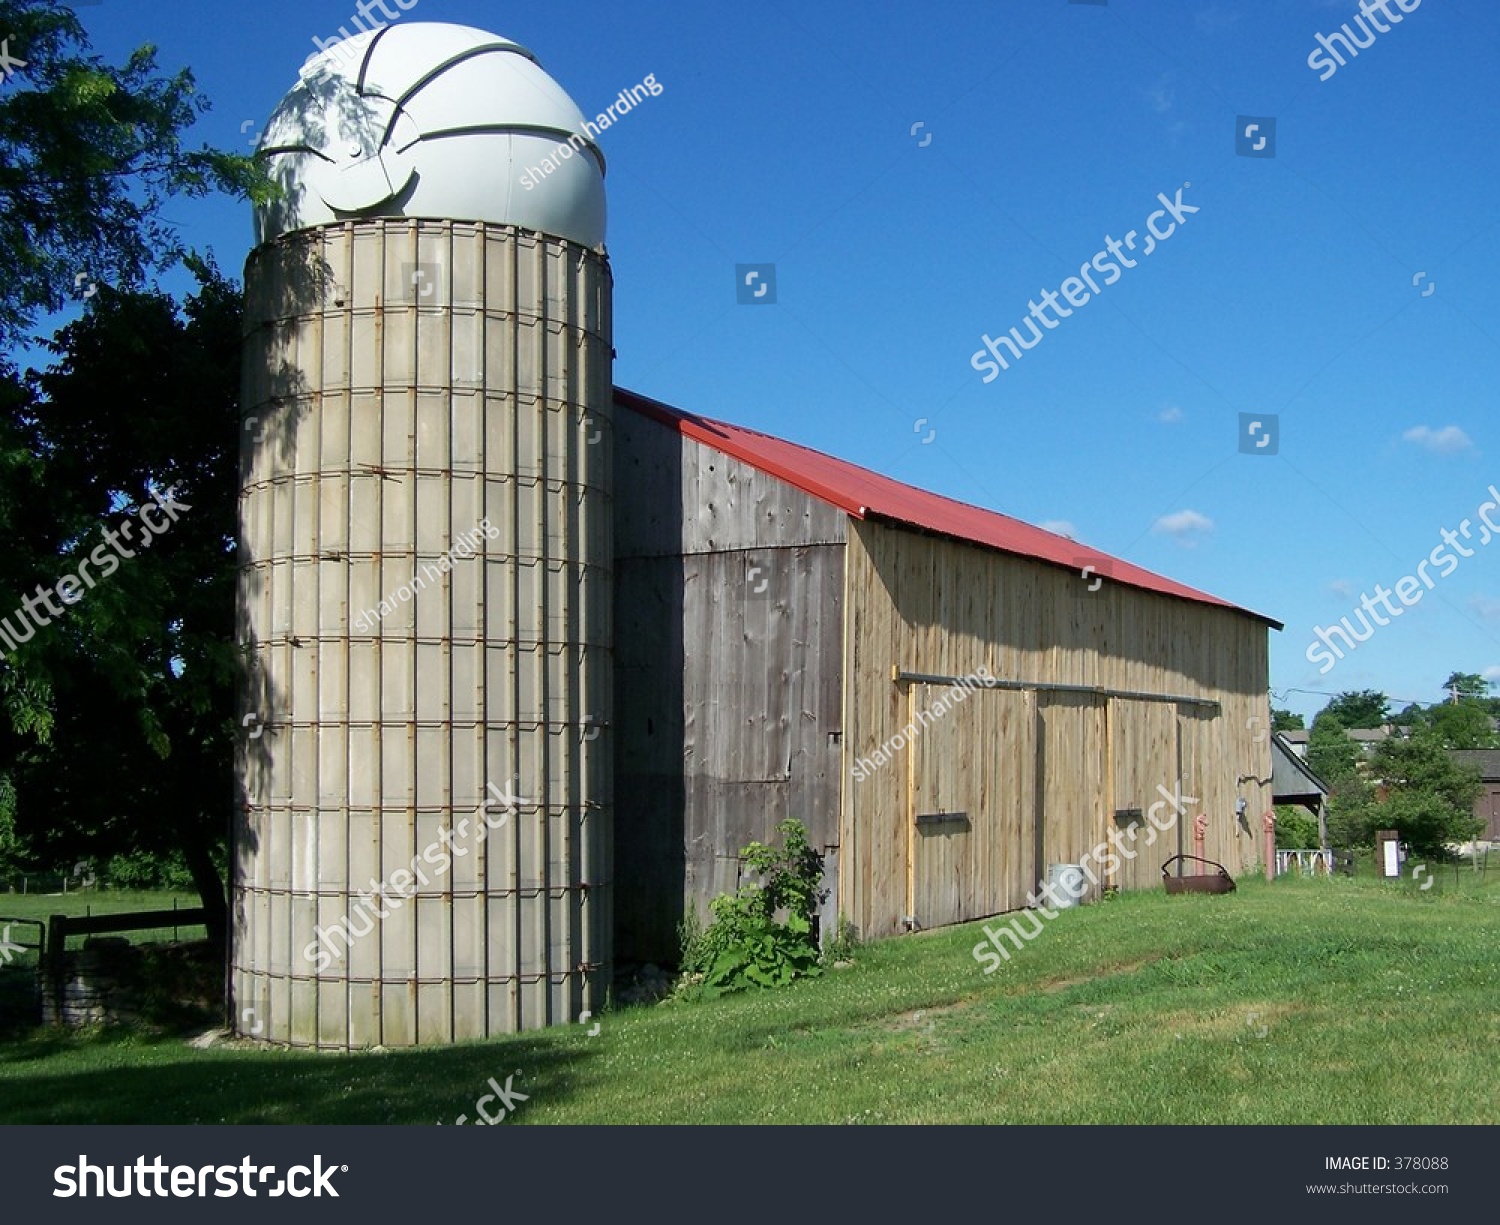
(531, 659)
(949, 699)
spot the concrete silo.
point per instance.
(426, 537)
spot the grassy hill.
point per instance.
(1342, 1001)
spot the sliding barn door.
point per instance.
(971, 803)
(1070, 754)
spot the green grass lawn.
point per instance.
(1342, 1001)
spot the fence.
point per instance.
(105, 980)
(18, 970)
(1309, 863)
(46, 883)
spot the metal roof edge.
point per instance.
(1298, 763)
(702, 429)
(708, 431)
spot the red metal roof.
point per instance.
(868, 495)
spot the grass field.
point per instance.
(1342, 1001)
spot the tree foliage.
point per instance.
(1417, 789)
(115, 717)
(89, 154)
(1286, 720)
(121, 727)
(1465, 724)
(1467, 685)
(1332, 755)
(1364, 708)
(1296, 828)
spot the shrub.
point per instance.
(844, 945)
(748, 943)
(1296, 829)
(145, 870)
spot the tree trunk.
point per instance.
(210, 886)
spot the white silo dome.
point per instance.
(432, 120)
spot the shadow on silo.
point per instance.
(275, 398)
(316, 106)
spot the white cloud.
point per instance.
(1171, 415)
(1449, 440)
(1486, 606)
(1184, 526)
(1214, 19)
(1060, 527)
(1342, 588)
(1160, 96)
(1492, 673)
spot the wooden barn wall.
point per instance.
(1036, 775)
(729, 592)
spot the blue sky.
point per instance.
(784, 135)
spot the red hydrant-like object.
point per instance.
(1269, 822)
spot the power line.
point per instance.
(1324, 693)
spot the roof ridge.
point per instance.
(863, 492)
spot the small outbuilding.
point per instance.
(949, 699)
(1293, 782)
(1487, 804)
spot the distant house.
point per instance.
(1366, 737)
(1487, 806)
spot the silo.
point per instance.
(426, 551)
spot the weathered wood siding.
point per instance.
(1038, 774)
(728, 630)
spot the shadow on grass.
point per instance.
(118, 1076)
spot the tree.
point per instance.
(1426, 796)
(1285, 720)
(1336, 760)
(1464, 725)
(1332, 755)
(1412, 715)
(1296, 828)
(1468, 685)
(89, 154)
(140, 673)
(112, 714)
(1365, 708)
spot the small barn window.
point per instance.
(1126, 817)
